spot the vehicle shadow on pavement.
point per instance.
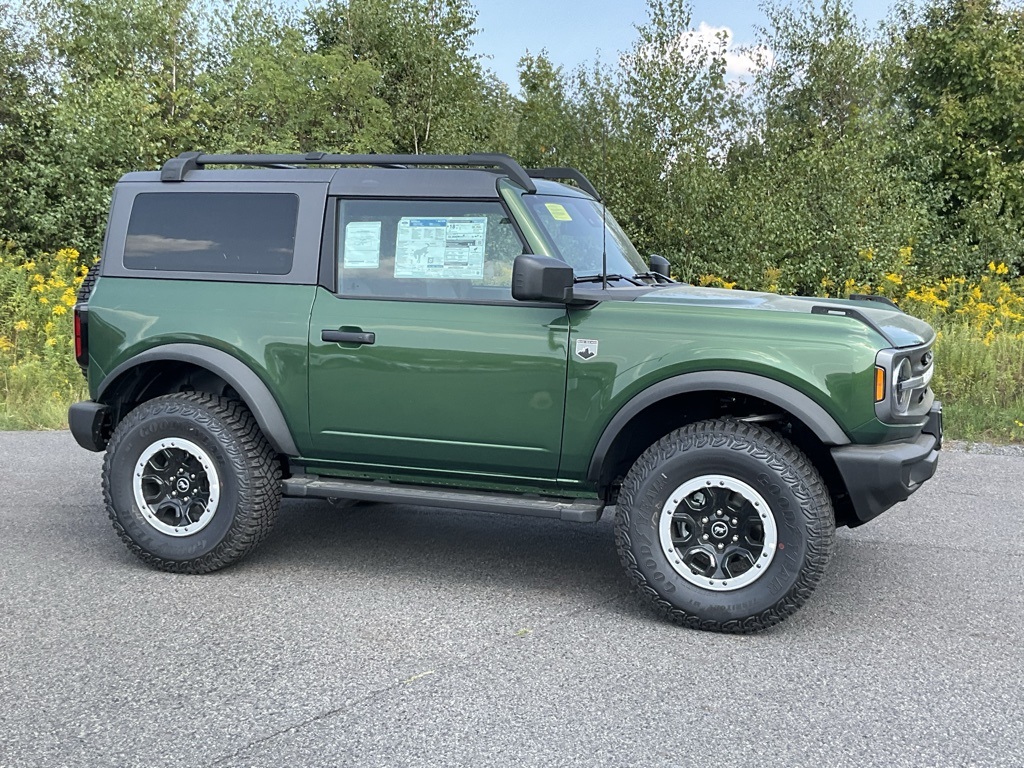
(441, 545)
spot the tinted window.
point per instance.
(426, 249)
(233, 232)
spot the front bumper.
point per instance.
(879, 476)
(89, 424)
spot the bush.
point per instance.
(40, 376)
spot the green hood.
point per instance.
(899, 329)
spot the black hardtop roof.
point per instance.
(390, 175)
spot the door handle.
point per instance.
(348, 337)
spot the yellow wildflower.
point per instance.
(60, 309)
(21, 325)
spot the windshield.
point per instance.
(573, 224)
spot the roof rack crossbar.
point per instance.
(562, 174)
(177, 168)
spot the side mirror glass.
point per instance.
(659, 265)
(541, 278)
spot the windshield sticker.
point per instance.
(446, 248)
(586, 348)
(362, 245)
(558, 212)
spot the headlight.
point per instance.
(901, 383)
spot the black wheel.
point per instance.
(724, 525)
(190, 482)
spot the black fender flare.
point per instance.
(783, 396)
(241, 377)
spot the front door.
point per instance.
(421, 362)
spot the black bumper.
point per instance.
(89, 424)
(879, 476)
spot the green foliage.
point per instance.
(849, 157)
(959, 72)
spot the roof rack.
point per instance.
(563, 174)
(176, 168)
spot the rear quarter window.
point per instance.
(249, 233)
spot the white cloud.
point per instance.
(740, 61)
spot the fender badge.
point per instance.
(586, 348)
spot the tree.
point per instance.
(274, 91)
(959, 73)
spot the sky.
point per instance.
(574, 31)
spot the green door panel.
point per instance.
(446, 389)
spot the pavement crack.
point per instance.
(369, 698)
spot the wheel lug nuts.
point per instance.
(734, 521)
(705, 537)
(703, 519)
(720, 546)
(718, 512)
(735, 538)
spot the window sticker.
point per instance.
(362, 245)
(558, 212)
(451, 248)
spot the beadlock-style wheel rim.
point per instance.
(176, 486)
(718, 533)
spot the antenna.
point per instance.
(604, 205)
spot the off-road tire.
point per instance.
(85, 289)
(762, 460)
(248, 478)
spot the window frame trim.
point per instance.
(307, 230)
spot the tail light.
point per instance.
(82, 335)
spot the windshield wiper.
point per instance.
(657, 277)
(601, 278)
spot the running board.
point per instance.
(574, 510)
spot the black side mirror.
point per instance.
(659, 265)
(541, 278)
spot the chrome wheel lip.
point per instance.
(149, 514)
(771, 535)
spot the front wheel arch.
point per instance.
(691, 397)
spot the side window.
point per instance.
(426, 249)
(249, 233)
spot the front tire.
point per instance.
(190, 482)
(724, 525)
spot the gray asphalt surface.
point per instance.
(397, 636)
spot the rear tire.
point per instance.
(725, 526)
(190, 483)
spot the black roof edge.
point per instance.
(177, 168)
(563, 174)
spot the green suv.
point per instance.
(460, 332)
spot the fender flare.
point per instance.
(787, 398)
(241, 377)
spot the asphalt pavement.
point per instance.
(380, 635)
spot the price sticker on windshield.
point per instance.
(558, 212)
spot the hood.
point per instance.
(896, 327)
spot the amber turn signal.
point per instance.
(879, 384)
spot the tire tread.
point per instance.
(257, 470)
(778, 453)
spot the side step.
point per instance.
(574, 510)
